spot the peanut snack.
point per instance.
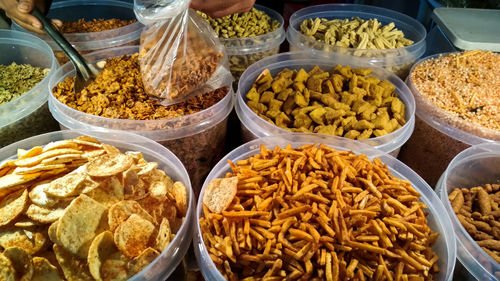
(315, 213)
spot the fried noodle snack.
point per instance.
(315, 213)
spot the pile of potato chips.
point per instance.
(78, 209)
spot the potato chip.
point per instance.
(52, 232)
(21, 262)
(61, 159)
(73, 268)
(180, 196)
(219, 193)
(130, 180)
(136, 155)
(37, 168)
(47, 214)
(69, 185)
(108, 165)
(26, 223)
(163, 237)
(44, 270)
(132, 236)
(35, 160)
(7, 271)
(87, 138)
(110, 149)
(93, 153)
(60, 144)
(142, 260)
(80, 224)
(158, 190)
(101, 248)
(108, 192)
(12, 206)
(13, 182)
(121, 211)
(34, 151)
(115, 268)
(7, 163)
(87, 143)
(32, 241)
(39, 197)
(50, 174)
(147, 168)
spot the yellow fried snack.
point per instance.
(315, 213)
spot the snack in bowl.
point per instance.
(78, 209)
(316, 213)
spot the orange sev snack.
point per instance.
(315, 213)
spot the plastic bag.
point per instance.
(180, 56)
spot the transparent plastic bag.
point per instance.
(180, 56)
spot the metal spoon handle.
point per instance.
(73, 54)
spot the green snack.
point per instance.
(346, 102)
(17, 79)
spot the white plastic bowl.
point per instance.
(475, 166)
(438, 220)
(197, 139)
(28, 115)
(168, 260)
(254, 126)
(397, 60)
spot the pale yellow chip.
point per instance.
(52, 232)
(60, 144)
(111, 149)
(7, 271)
(132, 236)
(39, 196)
(61, 159)
(88, 138)
(147, 168)
(32, 241)
(12, 206)
(136, 155)
(109, 165)
(108, 192)
(219, 193)
(73, 267)
(34, 151)
(158, 190)
(102, 248)
(32, 161)
(13, 182)
(46, 214)
(37, 168)
(180, 196)
(122, 210)
(164, 235)
(44, 270)
(115, 268)
(26, 223)
(69, 185)
(142, 260)
(79, 225)
(93, 153)
(21, 262)
(87, 143)
(130, 180)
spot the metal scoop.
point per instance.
(85, 72)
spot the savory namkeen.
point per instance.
(315, 213)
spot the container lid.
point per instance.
(470, 29)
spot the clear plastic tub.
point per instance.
(27, 115)
(438, 136)
(197, 139)
(254, 126)
(445, 247)
(398, 60)
(170, 258)
(73, 10)
(243, 52)
(475, 166)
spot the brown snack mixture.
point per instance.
(478, 211)
(315, 213)
(118, 92)
(78, 209)
(95, 25)
(466, 85)
(346, 102)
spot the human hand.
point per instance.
(20, 12)
(221, 8)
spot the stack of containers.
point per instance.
(169, 259)
(253, 126)
(73, 10)
(398, 61)
(476, 166)
(29, 114)
(445, 246)
(197, 139)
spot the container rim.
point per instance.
(148, 147)
(283, 60)
(404, 54)
(220, 110)
(433, 116)
(478, 151)
(259, 43)
(397, 168)
(33, 42)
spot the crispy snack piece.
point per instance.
(219, 194)
(315, 213)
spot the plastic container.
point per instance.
(254, 126)
(243, 52)
(438, 136)
(445, 247)
(475, 166)
(197, 139)
(397, 60)
(73, 10)
(168, 260)
(29, 114)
